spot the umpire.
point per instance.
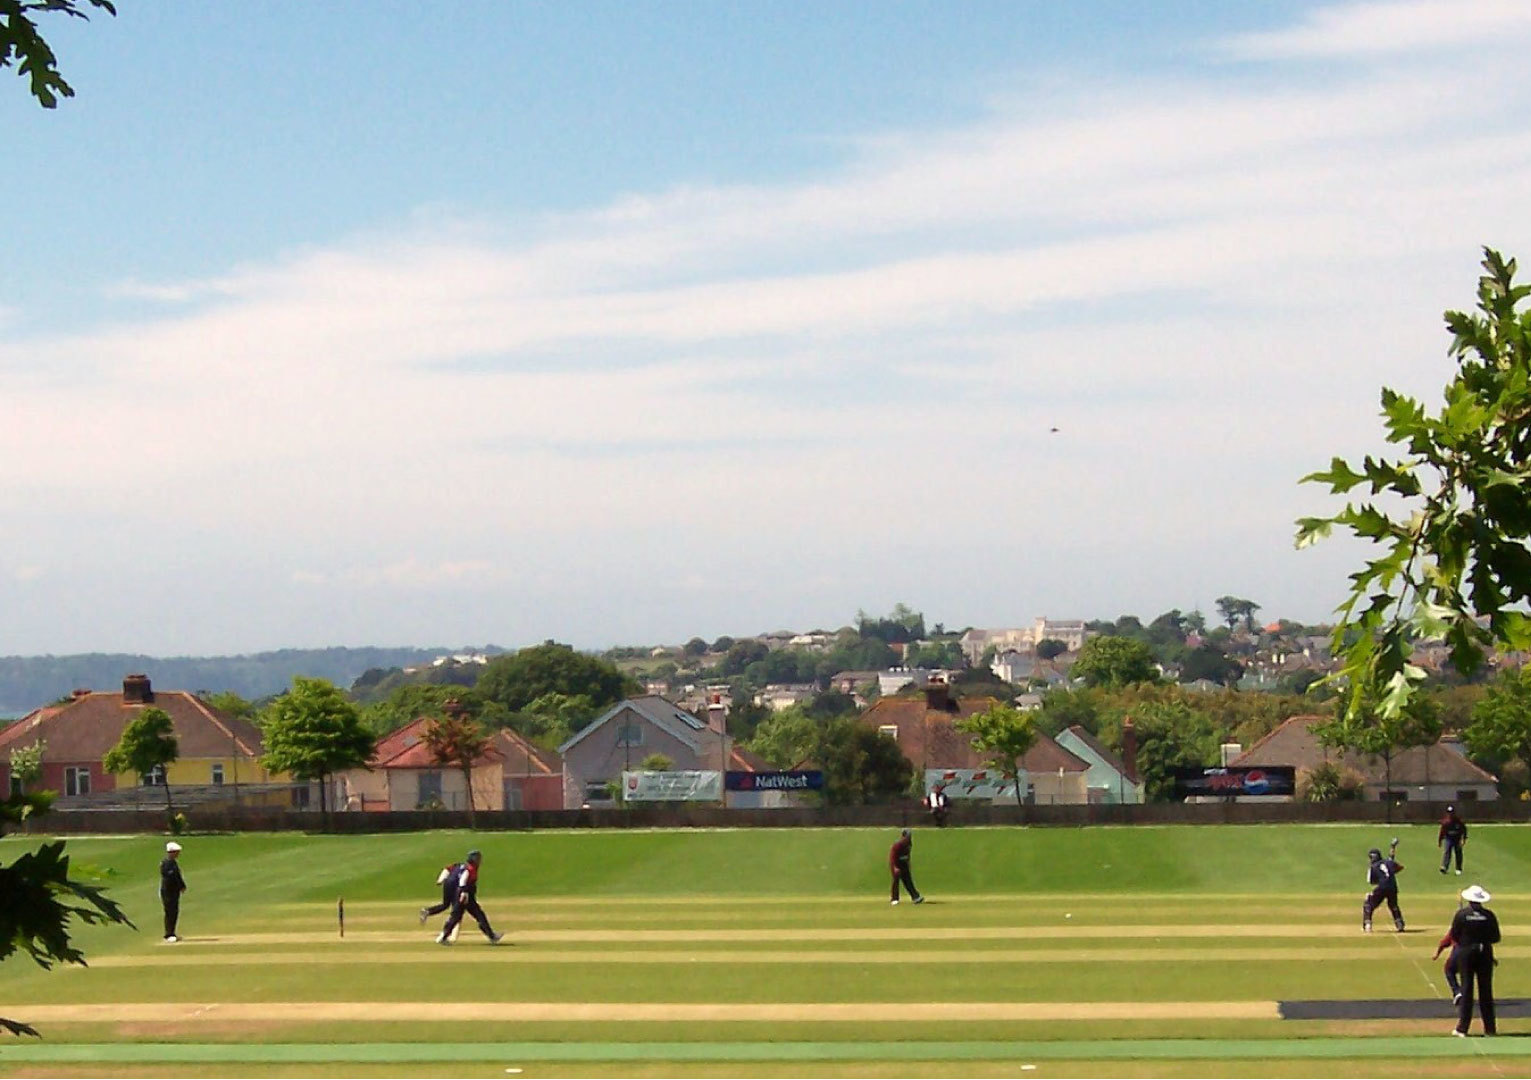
(171, 886)
(1475, 929)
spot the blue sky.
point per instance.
(367, 323)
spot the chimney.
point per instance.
(717, 713)
(136, 690)
(938, 696)
(1130, 748)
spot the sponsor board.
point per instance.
(785, 780)
(1231, 781)
(690, 785)
(976, 783)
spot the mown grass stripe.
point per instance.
(516, 1052)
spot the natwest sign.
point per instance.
(790, 780)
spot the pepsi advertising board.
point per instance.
(791, 780)
(1231, 782)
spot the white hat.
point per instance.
(1476, 894)
(172, 846)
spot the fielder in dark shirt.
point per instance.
(465, 902)
(1452, 835)
(898, 865)
(171, 886)
(1382, 876)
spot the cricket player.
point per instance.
(171, 886)
(1449, 942)
(1452, 835)
(447, 879)
(465, 901)
(1382, 876)
(898, 865)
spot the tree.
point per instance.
(148, 743)
(23, 45)
(1210, 663)
(231, 704)
(1051, 648)
(785, 739)
(518, 679)
(861, 765)
(38, 900)
(1002, 735)
(1114, 661)
(723, 644)
(27, 764)
(455, 738)
(656, 763)
(312, 731)
(694, 649)
(1233, 609)
(1455, 564)
(1501, 721)
(1369, 731)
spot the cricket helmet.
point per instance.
(1374, 855)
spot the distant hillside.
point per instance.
(29, 681)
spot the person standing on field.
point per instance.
(1382, 876)
(898, 865)
(465, 901)
(171, 886)
(1475, 929)
(1452, 836)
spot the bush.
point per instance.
(1327, 782)
(178, 825)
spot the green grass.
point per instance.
(777, 917)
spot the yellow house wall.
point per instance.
(199, 771)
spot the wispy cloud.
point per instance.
(1370, 29)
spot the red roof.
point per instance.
(86, 727)
(406, 748)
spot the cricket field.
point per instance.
(1132, 951)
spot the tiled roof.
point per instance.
(1293, 743)
(85, 728)
(930, 739)
(525, 758)
(406, 748)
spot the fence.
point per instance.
(265, 819)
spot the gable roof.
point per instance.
(524, 757)
(406, 748)
(1100, 750)
(659, 711)
(1293, 743)
(88, 725)
(930, 739)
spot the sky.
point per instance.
(618, 323)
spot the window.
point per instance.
(890, 730)
(1467, 794)
(630, 735)
(153, 778)
(430, 787)
(597, 791)
(77, 780)
(15, 785)
(218, 772)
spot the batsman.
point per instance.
(1382, 876)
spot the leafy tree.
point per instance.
(861, 765)
(1233, 609)
(902, 626)
(1501, 722)
(27, 764)
(408, 702)
(1114, 661)
(1051, 648)
(23, 45)
(786, 738)
(1372, 732)
(1327, 782)
(1170, 733)
(656, 763)
(455, 738)
(518, 679)
(741, 654)
(1455, 564)
(1211, 663)
(723, 644)
(831, 703)
(312, 731)
(38, 900)
(553, 718)
(231, 704)
(147, 743)
(745, 715)
(1003, 736)
(694, 649)
(935, 654)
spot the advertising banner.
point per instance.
(975, 783)
(691, 785)
(788, 780)
(1231, 781)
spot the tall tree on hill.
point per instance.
(518, 679)
(1114, 661)
(455, 738)
(1456, 528)
(1234, 608)
(1002, 735)
(312, 731)
(147, 744)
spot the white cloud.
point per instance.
(1362, 29)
